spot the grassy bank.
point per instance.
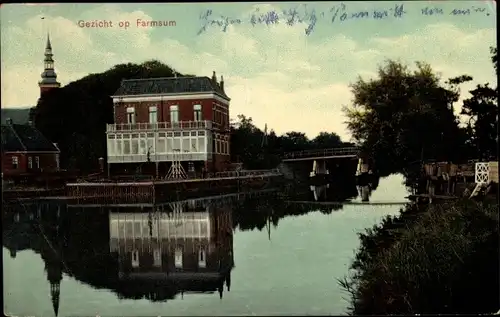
(440, 258)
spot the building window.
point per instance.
(153, 116)
(197, 113)
(37, 161)
(131, 115)
(174, 113)
(15, 162)
(202, 261)
(157, 257)
(135, 258)
(30, 162)
(178, 258)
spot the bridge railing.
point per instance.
(322, 152)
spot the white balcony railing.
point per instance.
(166, 157)
(181, 125)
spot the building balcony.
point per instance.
(164, 157)
(159, 126)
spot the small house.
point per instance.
(25, 150)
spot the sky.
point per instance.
(290, 76)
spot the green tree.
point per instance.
(405, 116)
(482, 111)
(326, 140)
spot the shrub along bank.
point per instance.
(441, 258)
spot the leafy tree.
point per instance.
(403, 117)
(482, 110)
(326, 140)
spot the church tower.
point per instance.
(49, 76)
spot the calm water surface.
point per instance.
(290, 269)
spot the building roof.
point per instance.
(19, 115)
(169, 85)
(21, 138)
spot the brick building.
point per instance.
(26, 151)
(180, 124)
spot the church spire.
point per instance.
(48, 47)
(49, 76)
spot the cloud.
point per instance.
(275, 74)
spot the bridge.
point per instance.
(293, 164)
(323, 154)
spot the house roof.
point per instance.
(21, 137)
(169, 85)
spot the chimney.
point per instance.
(214, 78)
(9, 121)
(222, 83)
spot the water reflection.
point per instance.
(163, 254)
(153, 251)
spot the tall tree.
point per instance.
(404, 116)
(482, 110)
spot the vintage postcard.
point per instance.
(229, 159)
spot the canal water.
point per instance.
(277, 254)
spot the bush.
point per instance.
(431, 259)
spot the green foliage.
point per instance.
(482, 110)
(442, 259)
(256, 150)
(404, 116)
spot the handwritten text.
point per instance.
(304, 14)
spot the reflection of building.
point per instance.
(51, 252)
(190, 250)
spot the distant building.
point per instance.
(49, 76)
(180, 124)
(26, 151)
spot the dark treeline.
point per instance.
(76, 115)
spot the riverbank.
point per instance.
(440, 258)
